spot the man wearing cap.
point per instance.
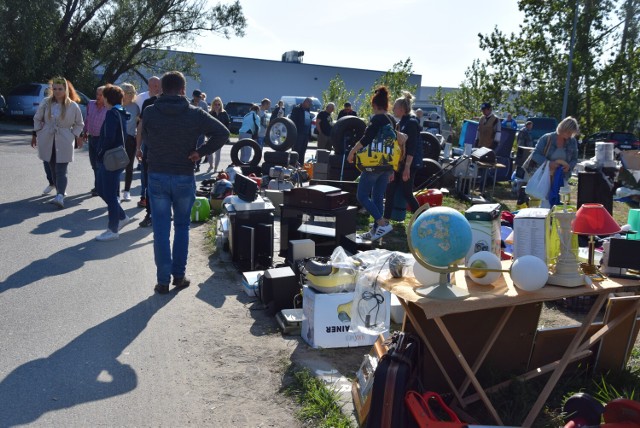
(488, 134)
(197, 100)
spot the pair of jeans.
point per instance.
(371, 190)
(167, 193)
(47, 171)
(58, 172)
(108, 187)
(406, 187)
(130, 147)
(93, 158)
(300, 146)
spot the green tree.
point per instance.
(97, 41)
(338, 93)
(396, 80)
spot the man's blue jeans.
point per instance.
(167, 193)
(108, 187)
(93, 158)
(371, 189)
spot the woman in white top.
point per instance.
(57, 127)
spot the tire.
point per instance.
(281, 134)
(246, 142)
(281, 158)
(425, 174)
(345, 133)
(430, 146)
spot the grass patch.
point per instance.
(319, 404)
(212, 234)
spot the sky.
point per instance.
(440, 37)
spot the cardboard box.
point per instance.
(325, 323)
(530, 229)
(250, 282)
(485, 227)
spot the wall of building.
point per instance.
(248, 79)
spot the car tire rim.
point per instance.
(278, 134)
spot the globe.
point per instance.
(440, 236)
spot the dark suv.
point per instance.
(237, 111)
(620, 140)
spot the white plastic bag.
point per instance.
(370, 305)
(539, 183)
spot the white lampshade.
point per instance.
(425, 276)
(529, 273)
(483, 260)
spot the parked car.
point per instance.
(23, 100)
(237, 110)
(620, 140)
(541, 126)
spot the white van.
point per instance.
(291, 101)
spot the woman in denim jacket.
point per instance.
(562, 147)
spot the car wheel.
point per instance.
(281, 134)
(246, 142)
(345, 133)
(281, 158)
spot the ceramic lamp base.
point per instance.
(566, 280)
(442, 292)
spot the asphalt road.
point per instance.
(84, 341)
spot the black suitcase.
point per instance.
(396, 374)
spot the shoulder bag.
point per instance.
(116, 158)
(529, 166)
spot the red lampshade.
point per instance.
(594, 219)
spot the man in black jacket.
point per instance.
(301, 117)
(170, 130)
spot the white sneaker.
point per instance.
(122, 223)
(369, 234)
(107, 236)
(58, 200)
(126, 196)
(48, 189)
(381, 231)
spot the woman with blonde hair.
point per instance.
(129, 104)
(218, 111)
(57, 126)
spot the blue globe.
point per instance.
(441, 235)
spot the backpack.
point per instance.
(383, 154)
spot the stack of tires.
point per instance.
(345, 133)
(281, 136)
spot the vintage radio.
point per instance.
(318, 197)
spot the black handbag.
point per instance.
(116, 158)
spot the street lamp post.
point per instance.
(565, 100)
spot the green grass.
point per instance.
(319, 404)
(212, 234)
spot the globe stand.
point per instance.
(443, 290)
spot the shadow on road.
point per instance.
(85, 370)
(72, 258)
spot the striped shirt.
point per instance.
(95, 117)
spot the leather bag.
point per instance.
(116, 158)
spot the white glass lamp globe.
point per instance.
(529, 273)
(483, 260)
(425, 276)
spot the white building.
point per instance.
(251, 80)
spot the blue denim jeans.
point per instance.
(371, 189)
(93, 158)
(169, 192)
(108, 188)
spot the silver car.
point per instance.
(24, 100)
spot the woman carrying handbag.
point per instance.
(112, 141)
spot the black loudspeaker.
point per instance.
(593, 188)
(245, 188)
(278, 289)
(483, 154)
(245, 251)
(264, 245)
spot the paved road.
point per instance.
(83, 339)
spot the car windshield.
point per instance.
(237, 109)
(28, 89)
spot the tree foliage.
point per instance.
(338, 93)
(96, 41)
(526, 72)
(396, 80)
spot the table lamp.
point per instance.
(592, 220)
